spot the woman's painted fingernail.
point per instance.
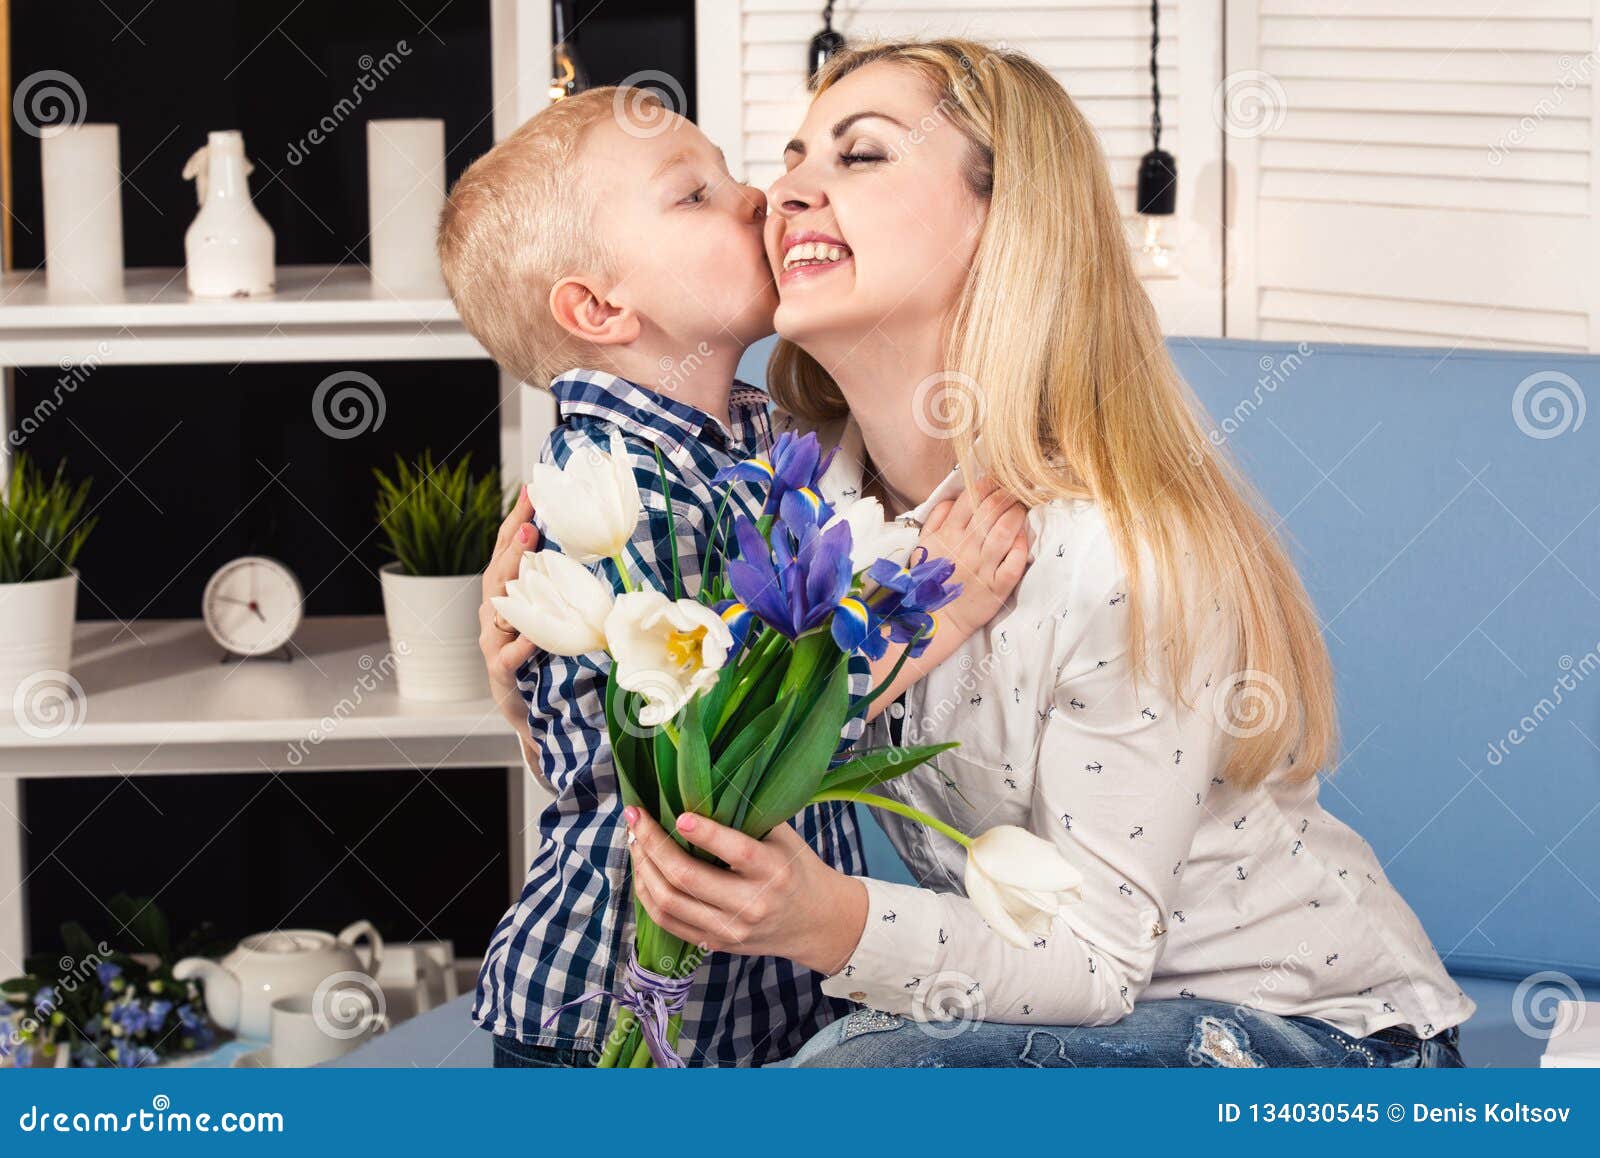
(630, 814)
(524, 532)
(686, 822)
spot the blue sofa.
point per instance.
(1450, 539)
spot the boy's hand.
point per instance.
(504, 651)
(984, 532)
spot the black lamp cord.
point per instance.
(1155, 79)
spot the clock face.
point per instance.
(251, 606)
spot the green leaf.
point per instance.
(635, 774)
(672, 530)
(799, 767)
(439, 520)
(737, 775)
(881, 764)
(750, 700)
(667, 778)
(694, 762)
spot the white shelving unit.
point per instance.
(160, 697)
(318, 314)
(156, 698)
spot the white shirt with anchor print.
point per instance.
(1191, 887)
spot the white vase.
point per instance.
(82, 211)
(229, 246)
(433, 631)
(36, 621)
(405, 194)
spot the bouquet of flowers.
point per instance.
(730, 703)
(93, 1006)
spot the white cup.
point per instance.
(306, 1032)
(417, 977)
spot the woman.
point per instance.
(957, 299)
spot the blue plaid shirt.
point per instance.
(569, 932)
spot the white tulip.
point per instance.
(667, 650)
(872, 537)
(591, 505)
(558, 603)
(1018, 882)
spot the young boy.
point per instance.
(607, 233)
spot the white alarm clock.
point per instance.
(252, 605)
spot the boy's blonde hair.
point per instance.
(516, 222)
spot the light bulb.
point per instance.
(1156, 257)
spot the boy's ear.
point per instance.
(584, 312)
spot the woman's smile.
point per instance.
(808, 254)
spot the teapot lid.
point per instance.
(286, 941)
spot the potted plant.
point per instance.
(42, 529)
(440, 524)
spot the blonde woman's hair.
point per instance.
(1078, 397)
(518, 221)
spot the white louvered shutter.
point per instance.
(1420, 172)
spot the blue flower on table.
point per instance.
(108, 973)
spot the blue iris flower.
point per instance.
(801, 581)
(107, 972)
(905, 602)
(794, 466)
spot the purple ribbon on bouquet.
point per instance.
(653, 998)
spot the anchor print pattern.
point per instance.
(1130, 784)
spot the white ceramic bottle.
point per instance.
(229, 245)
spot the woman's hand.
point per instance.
(984, 532)
(504, 651)
(777, 898)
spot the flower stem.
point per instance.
(622, 572)
(894, 806)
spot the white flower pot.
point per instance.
(433, 630)
(36, 621)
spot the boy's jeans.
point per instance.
(509, 1053)
(1177, 1032)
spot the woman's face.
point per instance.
(874, 225)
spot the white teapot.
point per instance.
(241, 988)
